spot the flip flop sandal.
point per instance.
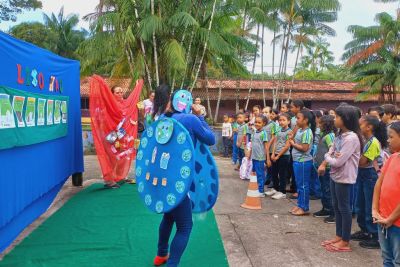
(293, 209)
(332, 248)
(300, 213)
(328, 242)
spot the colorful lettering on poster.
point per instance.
(35, 78)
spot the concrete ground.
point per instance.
(268, 237)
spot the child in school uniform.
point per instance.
(302, 159)
(281, 156)
(386, 202)
(234, 140)
(367, 177)
(327, 126)
(271, 128)
(226, 135)
(247, 166)
(315, 185)
(259, 150)
(242, 132)
(296, 106)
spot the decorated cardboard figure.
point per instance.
(164, 181)
(193, 170)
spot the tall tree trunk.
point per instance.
(285, 59)
(262, 64)
(218, 101)
(204, 77)
(280, 70)
(155, 48)
(294, 73)
(205, 45)
(237, 92)
(146, 66)
(254, 67)
(274, 100)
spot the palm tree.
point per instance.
(301, 16)
(68, 39)
(374, 57)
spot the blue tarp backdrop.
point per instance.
(48, 97)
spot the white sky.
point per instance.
(353, 12)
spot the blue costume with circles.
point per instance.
(176, 173)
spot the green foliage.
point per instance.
(374, 58)
(67, 38)
(10, 8)
(35, 33)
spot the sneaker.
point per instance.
(271, 192)
(360, 236)
(112, 186)
(330, 220)
(279, 195)
(261, 195)
(322, 214)
(371, 243)
(158, 261)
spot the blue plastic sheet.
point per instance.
(31, 176)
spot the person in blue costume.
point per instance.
(182, 214)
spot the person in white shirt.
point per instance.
(226, 134)
(148, 104)
(197, 102)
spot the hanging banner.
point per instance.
(24, 123)
(40, 131)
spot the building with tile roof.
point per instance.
(228, 94)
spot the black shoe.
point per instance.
(371, 243)
(322, 214)
(360, 236)
(112, 186)
(330, 220)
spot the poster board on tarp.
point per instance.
(40, 131)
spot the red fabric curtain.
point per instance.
(114, 127)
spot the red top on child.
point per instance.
(390, 191)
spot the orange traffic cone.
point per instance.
(253, 200)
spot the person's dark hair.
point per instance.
(396, 127)
(378, 109)
(238, 114)
(390, 109)
(161, 99)
(318, 113)
(350, 117)
(263, 118)
(343, 104)
(113, 88)
(275, 110)
(286, 104)
(286, 115)
(291, 114)
(311, 119)
(372, 121)
(328, 124)
(324, 111)
(298, 103)
(379, 129)
(257, 106)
